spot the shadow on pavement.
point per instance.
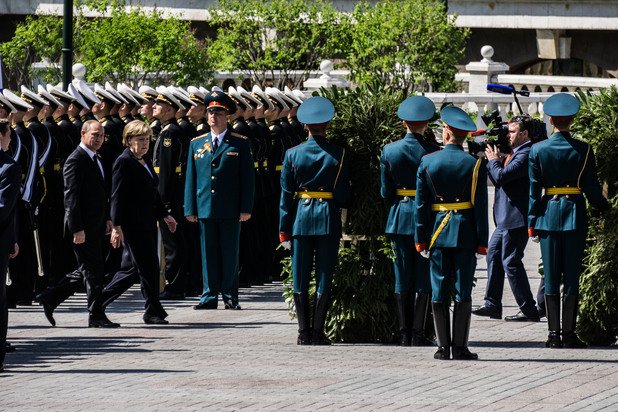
(43, 353)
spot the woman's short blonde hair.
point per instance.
(135, 128)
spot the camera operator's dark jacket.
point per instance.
(512, 188)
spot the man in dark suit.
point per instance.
(10, 185)
(219, 195)
(86, 206)
(506, 247)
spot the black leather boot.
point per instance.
(403, 314)
(461, 331)
(552, 307)
(301, 301)
(319, 318)
(442, 323)
(569, 322)
(418, 325)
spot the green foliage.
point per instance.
(258, 36)
(38, 38)
(411, 44)
(597, 123)
(366, 120)
(124, 46)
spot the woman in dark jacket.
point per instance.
(136, 207)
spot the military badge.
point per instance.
(167, 142)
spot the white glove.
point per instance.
(535, 239)
(287, 244)
(424, 253)
(479, 256)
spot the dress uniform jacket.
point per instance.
(219, 185)
(562, 161)
(314, 166)
(398, 166)
(447, 177)
(313, 224)
(561, 221)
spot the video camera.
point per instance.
(497, 134)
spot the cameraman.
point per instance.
(506, 246)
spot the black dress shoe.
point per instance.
(205, 306)
(47, 309)
(520, 317)
(463, 353)
(230, 305)
(169, 295)
(101, 321)
(487, 311)
(443, 353)
(154, 320)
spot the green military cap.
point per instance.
(316, 110)
(416, 109)
(219, 99)
(457, 119)
(561, 105)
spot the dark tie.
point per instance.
(215, 143)
(95, 159)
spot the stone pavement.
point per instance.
(233, 360)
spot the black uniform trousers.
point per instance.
(178, 247)
(140, 263)
(4, 309)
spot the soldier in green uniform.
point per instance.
(219, 195)
(314, 188)
(451, 225)
(398, 167)
(562, 169)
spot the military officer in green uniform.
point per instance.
(314, 188)
(451, 225)
(219, 195)
(398, 167)
(562, 169)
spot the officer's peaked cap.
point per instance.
(457, 119)
(561, 105)
(316, 110)
(220, 99)
(416, 109)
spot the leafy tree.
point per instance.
(38, 38)
(124, 46)
(411, 44)
(131, 46)
(597, 123)
(259, 37)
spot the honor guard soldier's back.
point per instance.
(398, 167)
(451, 225)
(562, 169)
(314, 188)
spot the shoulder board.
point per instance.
(240, 136)
(200, 136)
(166, 127)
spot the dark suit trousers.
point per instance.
(504, 255)
(140, 263)
(90, 271)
